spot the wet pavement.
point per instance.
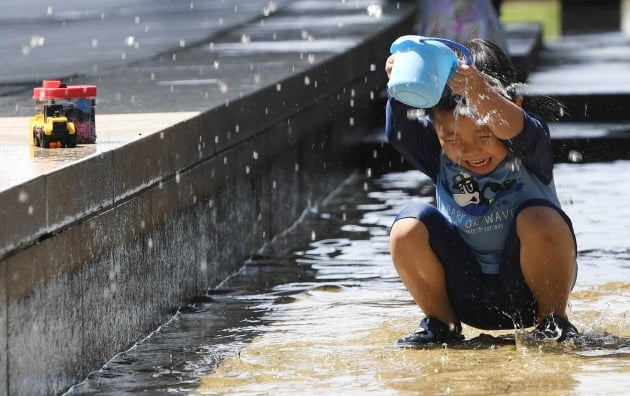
(320, 311)
(584, 64)
(102, 34)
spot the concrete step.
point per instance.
(589, 73)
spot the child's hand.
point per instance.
(466, 81)
(389, 63)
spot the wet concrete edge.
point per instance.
(87, 280)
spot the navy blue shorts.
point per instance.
(497, 301)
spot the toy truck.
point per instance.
(51, 128)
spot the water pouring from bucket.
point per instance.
(422, 67)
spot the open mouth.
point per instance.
(478, 163)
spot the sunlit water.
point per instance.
(319, 312)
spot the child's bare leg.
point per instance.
(419, 269)
(547, 258)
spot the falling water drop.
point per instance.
(575, 156)
(22, 197)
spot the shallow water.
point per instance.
(319, 311)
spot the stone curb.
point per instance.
(89, 268)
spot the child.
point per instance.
(498, 252)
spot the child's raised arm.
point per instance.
(501, 115)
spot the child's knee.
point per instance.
(544, 224)
(406, 232)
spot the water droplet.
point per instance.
(313, 236)
(372, 67)
(375, 10)
(178, 177)
(245, 39)
(129, 41)
(182, 43)
(22, 197)
(278, 87)
(255, 155)
(575, 156)
(307, 80)
(150, 243)
(94, 42)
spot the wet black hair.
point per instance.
(497, 66)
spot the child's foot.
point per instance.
(431, 331)
(554, 327)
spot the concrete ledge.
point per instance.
(102, 251)
(524, 46)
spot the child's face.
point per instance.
(468, 144)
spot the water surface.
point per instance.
(319, 311)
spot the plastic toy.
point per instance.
(422, 67)
(51, 128)
(78, 104)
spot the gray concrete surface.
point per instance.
(588, 72)
(100, 244)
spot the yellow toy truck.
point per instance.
(51, 128)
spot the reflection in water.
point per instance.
(323, 315)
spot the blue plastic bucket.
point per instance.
(421, 69)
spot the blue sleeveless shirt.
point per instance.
(481, 207)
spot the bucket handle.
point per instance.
(461, 47)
